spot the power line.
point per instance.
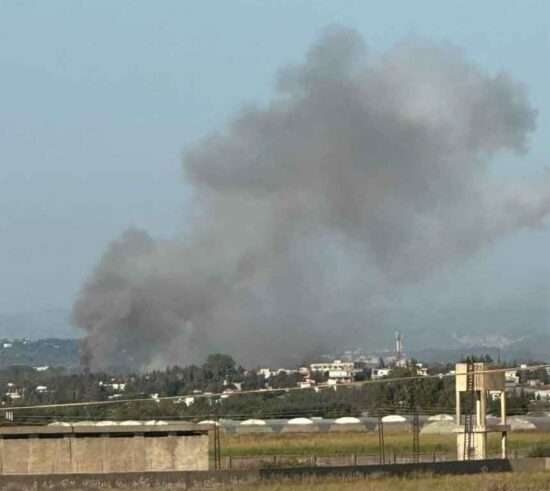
(269, 391)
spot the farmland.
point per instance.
(359, 443)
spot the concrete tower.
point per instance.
(478, 379)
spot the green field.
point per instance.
(358, 443)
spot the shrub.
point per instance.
(541, 449)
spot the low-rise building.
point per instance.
(341, 371)
(103, 449)
(511, 378)
(113, 385)
(378, 373)
(542, 394)
(421, 370)
(342, 376)
(266, 372)
(272, 372)
(306, 384)
(336, 365)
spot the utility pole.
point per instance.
(416, 436)
(381, 449)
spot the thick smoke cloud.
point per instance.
(365, 171)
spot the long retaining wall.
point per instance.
(309, 460)
(203, 479)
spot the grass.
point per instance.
(540, 449)
(517, 481)
(532, 481)
(359, 443)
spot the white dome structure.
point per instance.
(347, 420)
(442, 427)
(521, 424)
(253, 422)
(300, 421)
(106, 423)
(130, 423)
(209, 422)
(441, 417)
(393, 418)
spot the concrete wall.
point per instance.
(531, 464)
(139, 480)
(103, 452)
(454, 467)
(210, 479)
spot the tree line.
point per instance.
(196, 390)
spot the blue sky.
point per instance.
(98, 99)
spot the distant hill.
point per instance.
(432, 336)
(52, 352)
(516, 333)
(38, 325)
(455, 355)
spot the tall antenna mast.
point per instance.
(398, 346)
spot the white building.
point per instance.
(511, 377)
(266, 372)
(421, 370)
(378, 373)
(114, 385)
(341, 375)
(337, 370)
(543, 394)
(271, 372)
(336, 365)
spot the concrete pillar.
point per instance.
(482, 409)
(503, 437)
(480, 445)
(458, 409)
(503, 407)
(478, 408)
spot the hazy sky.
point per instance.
(98, 99)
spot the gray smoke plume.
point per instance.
(364, 171)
